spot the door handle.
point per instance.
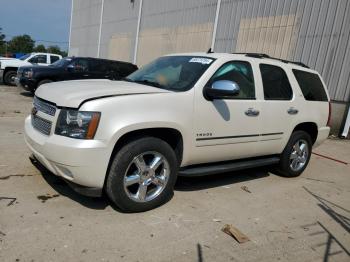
(86, 75)
(252, 112)
(292, 111)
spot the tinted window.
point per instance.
(38, 59)
(311, 85)
(54, 58)
(275, 82)
(80, 65)
(99, 66)
(239, 72)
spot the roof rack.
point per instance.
(260, 55)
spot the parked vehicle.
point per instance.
(9, 66)
(72, 68)
(187, 114)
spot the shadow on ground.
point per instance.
(182, 184)
(26, 94)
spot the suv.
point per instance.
(187, 114)
(72, 68)
(9, 66)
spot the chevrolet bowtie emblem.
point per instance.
(34, 111)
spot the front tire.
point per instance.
(296, 155)
(142, 175)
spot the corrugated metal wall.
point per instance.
(315, 32)
(85, 27)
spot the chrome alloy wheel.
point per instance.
(299, 155)
(146, 176)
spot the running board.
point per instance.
(223, 167)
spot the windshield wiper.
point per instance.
(126, 79)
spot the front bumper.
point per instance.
(26, 84)
(81, 162)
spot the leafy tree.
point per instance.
(40, 48)
(2, 42)
(21, 44)
(54, 49)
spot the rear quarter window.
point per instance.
(311, 85)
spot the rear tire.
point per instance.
(9, 78)
(296, 155)
(142, 175)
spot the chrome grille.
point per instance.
(44, 106)
(42, 125)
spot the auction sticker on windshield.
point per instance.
(201, 60)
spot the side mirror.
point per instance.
(222, 89)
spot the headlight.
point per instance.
(77, 124)
(28, 73)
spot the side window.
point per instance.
(80, 65)
(98, 66)
(240, 72)
(311, 85)
(54, 58)
(38, 59)
(275, 82)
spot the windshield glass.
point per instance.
(61, 62)
(177, 73)
(24, 57)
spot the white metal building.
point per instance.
(315, 32)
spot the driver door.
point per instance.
(226, 129)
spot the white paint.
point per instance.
(137, 32)
(100, 30)
(215, 24)
(70, 26)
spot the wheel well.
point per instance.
(310, 128)
(10, 69)
(172, 136)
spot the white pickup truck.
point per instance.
(188, 114)
(9, 66)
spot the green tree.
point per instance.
(21, 44)
(40, 48)
(2, 42)
(54, 49)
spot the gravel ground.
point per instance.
(298, 219)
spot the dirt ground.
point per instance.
(297, 219)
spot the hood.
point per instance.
(74, 93)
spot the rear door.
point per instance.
(99, 69)
(279, 108)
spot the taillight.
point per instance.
(329, 114)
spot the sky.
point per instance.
(47, 20)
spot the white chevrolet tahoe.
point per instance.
(9, 66)
(185, 114)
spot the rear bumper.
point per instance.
(323, 134)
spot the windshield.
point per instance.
(177, 73)
(24, 57)
(61, 62)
